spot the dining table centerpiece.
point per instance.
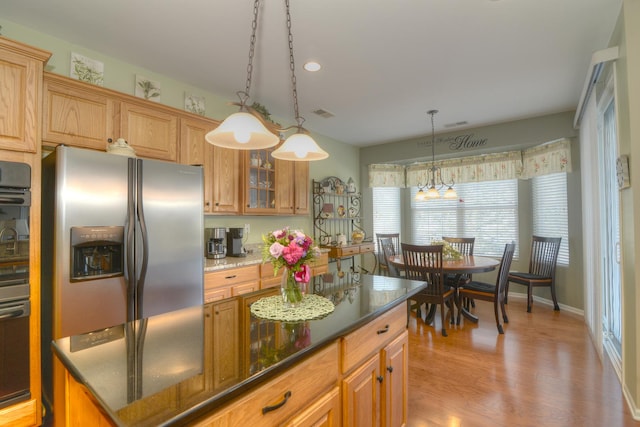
(449, 253)
(291, 251)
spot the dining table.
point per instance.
(467, 264)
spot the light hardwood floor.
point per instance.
(544, 371)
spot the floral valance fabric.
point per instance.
(544, 159)
(489, 167)
(547, 158)
(386, 175)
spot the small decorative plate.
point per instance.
(352, 212)
(341, 211)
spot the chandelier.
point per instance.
(432, 192)
(245, 130)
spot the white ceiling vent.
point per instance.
(324, 113)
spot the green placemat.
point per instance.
(273, 308)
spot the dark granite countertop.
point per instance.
(134, 369)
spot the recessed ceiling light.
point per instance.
(312, 66)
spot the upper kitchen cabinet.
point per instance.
(259, 182)
(221, 166)
(21, 68)
(292, 184)
(78, 114)
(85, 115)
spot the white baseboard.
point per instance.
(545, 301)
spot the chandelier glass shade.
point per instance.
(433, 187)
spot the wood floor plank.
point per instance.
(544, 371)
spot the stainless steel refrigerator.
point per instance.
(122, 240)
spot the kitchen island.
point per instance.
(217, 364)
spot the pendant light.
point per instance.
(299, 146)
(433, 192)
(244, 130)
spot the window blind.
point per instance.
(550, 215)
(387, 212)
(485, 210)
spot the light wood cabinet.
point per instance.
(152, 132)
(319, 265)
(78, 114)
(292, 185)
(84, 115)
(231, 282)
(21, 69)
(395, 387)
(375, 360)
(221, 166)
(281, 398)
(259, 182)
(324, 412)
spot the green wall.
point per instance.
(343, 159)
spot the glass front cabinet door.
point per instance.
(260, 182)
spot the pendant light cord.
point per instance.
(244, 96)
(433, 147)
(292, 66)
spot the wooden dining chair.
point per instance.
(490, 292)
(383, 266)
(542, 269)
(388, 250)
(464, 245)
(425, 263)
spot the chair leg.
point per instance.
(506, 292)
(495, 311)
(444, 329)
(529, 298)
(556, 307)
(504, 312)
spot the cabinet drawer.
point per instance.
(366, 248)
(360, 344)
(322, 260)
(303, 384)
(231, 276)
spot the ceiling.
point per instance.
(385, 62)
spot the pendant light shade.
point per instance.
(242, 131)
(300, 147)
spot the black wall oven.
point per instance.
(15, 202)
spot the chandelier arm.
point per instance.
(244, 96)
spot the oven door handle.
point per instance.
(13, 311)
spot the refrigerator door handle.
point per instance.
(145, 243)
(130, 239)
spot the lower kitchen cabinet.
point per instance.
(231, 282)
(375, 361)
(324, 412)
(288, 394)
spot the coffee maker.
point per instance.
(234, 242)
(215, 242)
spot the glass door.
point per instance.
(610, 237)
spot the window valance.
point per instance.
(386, 175)
(540, 160)
(488, 167)
(552, 157)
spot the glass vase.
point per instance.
(292, 290)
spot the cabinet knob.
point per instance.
(380, 378)
(217, 204)
(390, 369)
